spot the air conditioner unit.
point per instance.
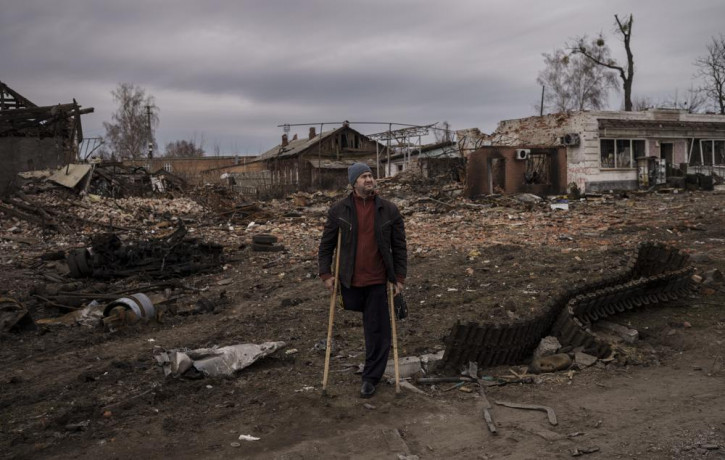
(522, 154)
(570, 140)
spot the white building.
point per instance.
(604, 149)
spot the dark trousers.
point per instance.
(372, 301)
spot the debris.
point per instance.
(548, 346)
(473, 373)
(407, 367)
(528, 198)
(713, 276)
(248, 437)
(265, 242)
(128, 310)
(215, 361)
(583, 360)
(167, 256)
(409, 386)
(369, 406)
(577, 452)
(549, 435)
(549, 411)
(80, 426)
(628, 335)
(434, 380)
(70, 175)
(430, 360)
(551, 363)
(89, 316)
(641, 282)
(14, 316)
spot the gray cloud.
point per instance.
(233, 70)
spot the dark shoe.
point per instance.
(367, 390)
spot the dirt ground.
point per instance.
(86, 392)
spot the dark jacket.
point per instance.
(389, 234)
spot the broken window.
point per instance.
(712, 151)
(719, 152)
(606, 149)
(538, 166)
(620, 153)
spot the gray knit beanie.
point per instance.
(354, 171)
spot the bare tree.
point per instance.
(712, 69)
(626, 73)
(693, 102)
(184, 149)
(574, 82)
(640, 103)
(130, 131)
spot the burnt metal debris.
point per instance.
(657, 273)
(166, 257)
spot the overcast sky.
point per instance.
(230, 71)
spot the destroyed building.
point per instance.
(194, 170)
(430, 160)
(318, 161)
(608, 150)
(36, 137)
(536, 170)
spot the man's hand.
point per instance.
(330, 283)
(397, 288)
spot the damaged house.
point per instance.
(602, 150)
(318, 161)
(36, 137)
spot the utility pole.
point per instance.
(541, 108)
(151, 136)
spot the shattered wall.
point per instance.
(496, 170)
(21, 154)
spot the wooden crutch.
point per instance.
(395, 338)
(332, 314)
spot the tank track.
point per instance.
(656, 273)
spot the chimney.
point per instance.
(312, 132)
(284, 140)
(294, 138)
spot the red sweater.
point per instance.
(369, 265)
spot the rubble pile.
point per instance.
(158, 258)
(115, 180)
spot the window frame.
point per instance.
(712, 152)
(615, 142)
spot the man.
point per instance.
(373, 253)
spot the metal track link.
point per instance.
(656, 273)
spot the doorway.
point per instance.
(496, 175)
(667, 153)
